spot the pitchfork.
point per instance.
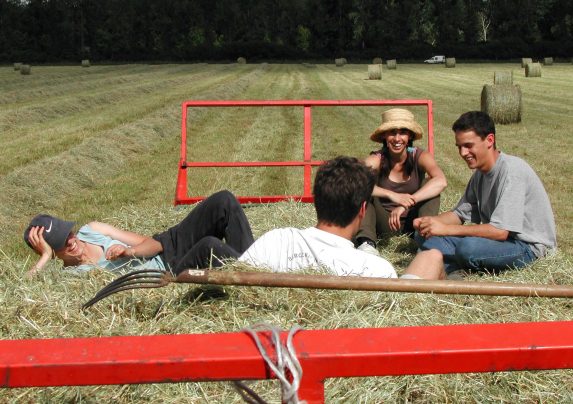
(154, 278)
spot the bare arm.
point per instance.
(41, 247)
(139, 246)
(126, 237)
(437, 182)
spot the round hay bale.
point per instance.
(377, 61)
(241, 60)
(450, 62)
(25, 69)
(375, 72)
(339, 62)
(85, 63)
(547, 61)
(391, 64)
(525, 61)
(533, 70)
(17, 66)
(503, 77)
(502, 102)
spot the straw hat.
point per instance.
(397, 118)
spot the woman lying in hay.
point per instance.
(402, 192)
(195, 242)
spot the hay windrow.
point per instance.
(503, 77)
(533, 70)
(374, 72)
(502, 102)
(450, 62)
(525, 61)
(391, 64)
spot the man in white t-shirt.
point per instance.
(341, 190)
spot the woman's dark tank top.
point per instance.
(409, 186)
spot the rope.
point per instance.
(286, 363)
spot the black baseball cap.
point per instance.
(56, 230)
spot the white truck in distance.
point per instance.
(436, 59)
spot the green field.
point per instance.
(102, 143)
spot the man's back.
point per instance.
(291, 249)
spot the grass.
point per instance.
(103, 143)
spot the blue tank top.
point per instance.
(88, 235)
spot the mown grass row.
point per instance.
(117, 162)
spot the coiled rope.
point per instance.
(286, 363)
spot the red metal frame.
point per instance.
(322, 353)
(181, 196)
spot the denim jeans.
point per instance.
(478, 253)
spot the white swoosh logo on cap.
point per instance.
(49, 229)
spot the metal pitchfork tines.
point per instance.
(153, 278)
(140, 279)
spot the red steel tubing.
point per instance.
(323, 354)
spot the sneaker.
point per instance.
(368, 248)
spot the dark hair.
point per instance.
(340, 188)
(478, 121)
(408, 164)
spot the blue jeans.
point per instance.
(478, 253)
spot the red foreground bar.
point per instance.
(323, 354)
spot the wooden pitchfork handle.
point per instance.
(154, 278)
(293, 280)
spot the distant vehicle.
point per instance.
(436, 59)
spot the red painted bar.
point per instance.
(181, 196)
(252, 163)
(307, 154)
(256, 199)
(323, 354)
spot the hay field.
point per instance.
(103, 144)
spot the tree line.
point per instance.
(195, 30)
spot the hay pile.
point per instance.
(548, 61)
(375, 72)
(17, 66)
(450, 62)
(502, 102)
(503, 77)
(25, 69)
(85, 63)
(241, 60)
(339, 62)
(533, 70)
(377, 61)
(391, 64)
(525, 61)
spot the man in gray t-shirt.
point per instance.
(506, 201)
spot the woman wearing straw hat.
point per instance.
(402, 191)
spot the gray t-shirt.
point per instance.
(511, 197)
